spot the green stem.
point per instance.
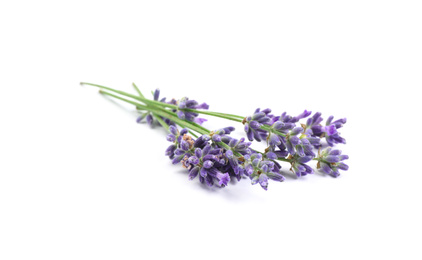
(162, 104)
(216, 114)
(225, 146)
(142, 99)
(137, 90)
(269, 129)
(163, 113)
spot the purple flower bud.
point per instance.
(171, 138)
(216, 138)
(206, 150)
(210, 157)
(263, 181)
(266, 111)
(250, 134)
(299, 150)
(249, 170)
(276, 176)
(332, 158)
(343, 166)
(325, 167)
(180, 114)
(255, 180)
(274, 140)
(281, 154)
(203, 172)
(294, 140)
(296, 131)
(258, 115)
(334, 152)
(304, 159)
(202, 106)
(200, 120)
(271, 156)
(184, 131)
(208, 164)
(277, 125)
(193, 173)
(339, 123)
(156, 94)
(329, 119)
(309, 170)
(229, 154)
(173, 130)
(177, 159)
(209, 181)
(149, 119)
(254, 124)
(193, 160)
(198, 152)
(343, 157)
(170, 150)
(179, 151)
(184, 145)
(302, 115)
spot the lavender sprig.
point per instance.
(217, 157)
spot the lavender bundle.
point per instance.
(215, 157)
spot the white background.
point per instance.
(79, 179)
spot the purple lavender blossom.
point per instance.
(329, 131)
(253, 124)
(331, 161)
(299, 166)
(186, 103)
(260, 170)
(175, 137)
(205, 162)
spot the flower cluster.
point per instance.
(183, 105)
(217, 158)
(331, 161)
(294, 142)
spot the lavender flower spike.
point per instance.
(254, 122)
(331, 161)
(186, 103)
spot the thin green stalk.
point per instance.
(216, 114)
(163, 113)
(137, 90)
(162, 104)
(269, 129)
(142, 99)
